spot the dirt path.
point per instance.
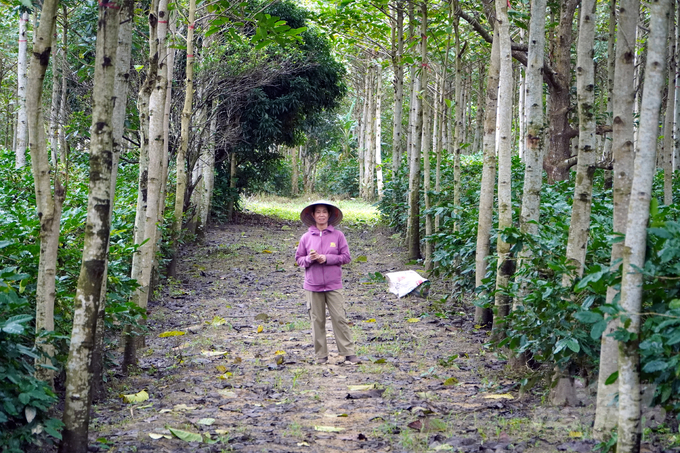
(223, 379)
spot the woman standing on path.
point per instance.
(322, 251)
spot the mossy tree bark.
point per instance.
(78, 396)
(606, 412)
(629, 427)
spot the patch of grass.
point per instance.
(354, 211)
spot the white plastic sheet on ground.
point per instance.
(403, 282)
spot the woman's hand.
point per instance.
(314, 256)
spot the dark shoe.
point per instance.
(322, 360)
(353, 359)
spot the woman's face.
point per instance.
(321, 215)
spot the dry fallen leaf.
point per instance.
(171, 333)
(279, 353)
(183, 407)
(413, 320)
(206, 421)
(328, 429)
(217, 321)
(260, 329)
(499, 396)
(355, 388)
(214, 353)
(575, 434)
(227, 393)
(370, 320)
(136, 397)
(157, 436)
(221, 368)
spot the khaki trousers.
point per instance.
(316, 306)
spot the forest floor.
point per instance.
(242, 377)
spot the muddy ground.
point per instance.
(243, 375)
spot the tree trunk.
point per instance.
(667, 154)
(151, 109)
(181, 160)
(77, 399)
(49, 206)
(295, 171)
(579, 227)
(458, 131)
(533, 141)
(483, 316)
(557, 161)
(369, 148)
(22, 69)
(505, 266)
(636, 234)
(427, 176)
(363, 137)
(398, 67)
(420, 88)
(120, 91)
(378, 134)
(57, 70)
(208, 174)
(622, 151)
(611, 66)
(676, 143)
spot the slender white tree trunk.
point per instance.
(120, 91)
(459, 112)
(181, 159)
(208, 179)
(294, 152)
(579, 226)
(49, 205)
(483, 316)
(22, 69)
(505, 265)
(55, 100)
(378, 134)
(636, 233)
(534, 138)
(676, 147)
(156, 151)
(77, 399)
(667, 153)
(151, 112)
(427, 176)
(420, 89)
(606, 413)
(398, 67)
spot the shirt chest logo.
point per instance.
(332, 244)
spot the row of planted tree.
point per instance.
(515, 80)
(172, 92)
(261, 83)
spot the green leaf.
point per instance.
(361, 259)
(588, 317)
(655, 365)
(674, 304)
(674, 339)
(572, 344)
(598, 329)
(186, 435)
(612, 378)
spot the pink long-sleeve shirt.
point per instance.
(329, 242)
